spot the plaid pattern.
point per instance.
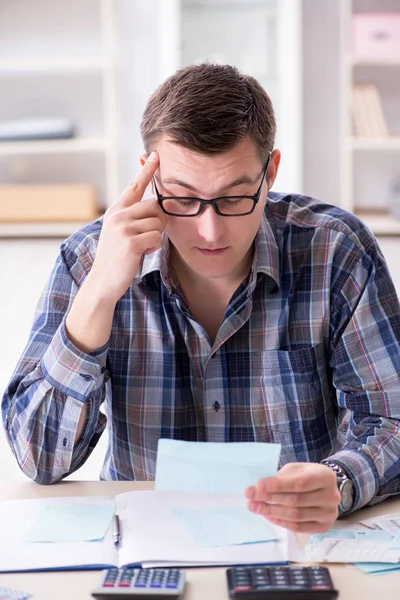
(307, 356)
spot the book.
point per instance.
(368, 115)
(151, 535)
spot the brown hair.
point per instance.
(207, 109)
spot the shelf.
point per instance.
(64, 146)
(380, 224)
(370, 143)
(35, 66)
(39, 230)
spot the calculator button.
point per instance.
(320, 587)
(265, 587)
(242, 588)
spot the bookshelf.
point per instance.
(369, 144)
(65, 67)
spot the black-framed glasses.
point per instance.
(226, 206)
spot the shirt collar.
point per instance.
(266, 255)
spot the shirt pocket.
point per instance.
(293, 402)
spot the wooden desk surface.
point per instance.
(202, 583)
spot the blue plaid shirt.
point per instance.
(307, 356)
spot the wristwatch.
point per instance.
(345, 486)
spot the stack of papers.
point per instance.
(389, 523)
(351, 545)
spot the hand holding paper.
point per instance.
(302, 497)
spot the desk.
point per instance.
(202, 583)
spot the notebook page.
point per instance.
(152, 533)
(18, 554)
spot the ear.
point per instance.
(273, 167)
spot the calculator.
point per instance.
(140, 584)
(280, 583)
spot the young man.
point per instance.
(216, 312)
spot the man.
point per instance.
(214, 312)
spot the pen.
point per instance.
(116, 530)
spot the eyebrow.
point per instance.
(245, 179)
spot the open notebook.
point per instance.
(151, 535)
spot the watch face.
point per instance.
(347, 495)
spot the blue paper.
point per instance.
(377, 567)
(73, 523)
(224, 527)
(213, 467)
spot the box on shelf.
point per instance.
(376, 36)
(45, 203)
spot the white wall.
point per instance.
(321, 99)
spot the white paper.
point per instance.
(389, 523)
(342, 546)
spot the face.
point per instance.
(209, 245)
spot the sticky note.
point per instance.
(224, 527)
(213, 467)
(77, 523)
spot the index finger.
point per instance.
(290, 484)
(135, 190)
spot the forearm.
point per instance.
(89, 320)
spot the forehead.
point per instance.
(176, 160)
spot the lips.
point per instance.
(212, 251)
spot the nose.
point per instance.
(210, 225)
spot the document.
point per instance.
(351, 546)
(212, 467)
(389, 523)
(151, 535)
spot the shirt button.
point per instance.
(86, 377)
(216, 406)
(213, 355)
